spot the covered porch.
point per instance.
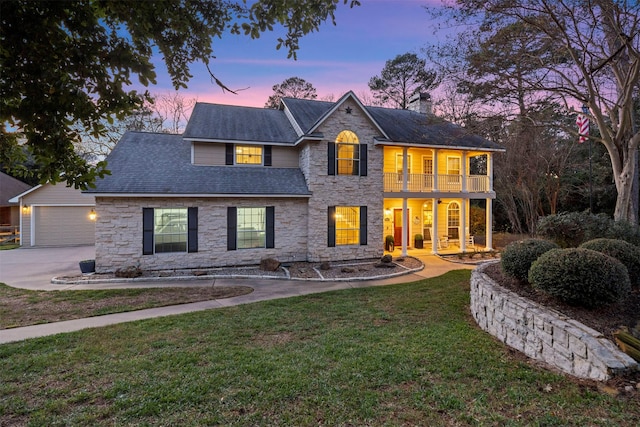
(438, 225)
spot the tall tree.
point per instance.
(166, 113)
(293, 87)
(575, 52)
(68, 65)
(400, 79)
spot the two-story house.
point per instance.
(310, 181)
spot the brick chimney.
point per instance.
(421, 103)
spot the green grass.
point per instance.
(397, 355)
(21, 307)
(8, 246)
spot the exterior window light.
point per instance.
(92, 215)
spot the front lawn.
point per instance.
(407, 354)
(21, 307)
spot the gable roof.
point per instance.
(298, 118)
(216, 122)
(149, 164)
(10, 188)
(310, 116)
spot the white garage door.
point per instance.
(63, 226)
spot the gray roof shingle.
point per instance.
(232, 123)
(155, 163)
(405, 126)
(152, 163)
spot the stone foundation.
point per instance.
(544, 334)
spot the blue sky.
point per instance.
(335, 60)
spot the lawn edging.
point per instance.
(544, 334)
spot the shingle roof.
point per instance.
(263, 125)
(10, 187)
(232, 123)
(155, 163)
(306, 112)
(401, 126)
(405, 126)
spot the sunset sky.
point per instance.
(334, 60)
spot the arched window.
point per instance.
(453, 220)
(347, 153)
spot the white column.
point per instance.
(405, 225)
(405, 167)
(488, 225)
(463, 171)
(435, 170)
(463, 224)
(434, 229)
(490, 170)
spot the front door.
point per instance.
(397, 228)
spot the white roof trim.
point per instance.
(339, 103)
(293, 121)
(437, 147)
(239, 141)
(209, 196)
(16, 199)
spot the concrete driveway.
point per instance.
(33, 268)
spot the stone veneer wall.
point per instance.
(544, 334)
(343, 190)
(119, 233)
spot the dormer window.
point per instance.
(245, 154)
(248, 155)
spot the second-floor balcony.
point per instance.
(425, 183)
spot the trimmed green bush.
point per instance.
(626, 253)
(580, 277)
(517, 257)
(571, 229)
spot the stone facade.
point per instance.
(544, 334)
(344, 190)
(119, 233)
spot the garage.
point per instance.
(56, 215)
(63, 226)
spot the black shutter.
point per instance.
(192, 229)
(331, 230)
(267, 155)
(228, 158)
(363, 225)
(232, 225)
(363, 159)
(147, 231)
(331, 157)
(270, 243)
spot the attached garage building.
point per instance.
(56, 215)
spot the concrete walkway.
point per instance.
(34, 268)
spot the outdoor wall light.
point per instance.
(25, 209)
(92, 215)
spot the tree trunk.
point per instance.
(628, 186)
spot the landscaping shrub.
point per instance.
(625, 252)
(571, 229)
(580, 277)
(517, 257)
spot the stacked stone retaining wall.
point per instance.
(544, 334)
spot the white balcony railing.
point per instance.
(422, 183)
